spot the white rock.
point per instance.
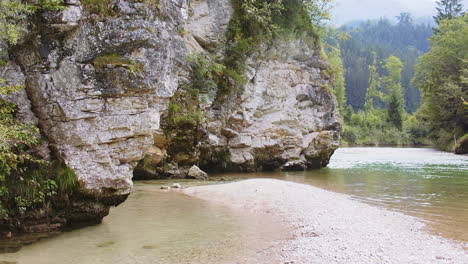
(196, 173)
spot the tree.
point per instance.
(393, 91)
(376, 40)
(348, 114)
(334, 57)
(405, 19)
(394, 111)
(372, 90)
(441, 76)
(448, 9)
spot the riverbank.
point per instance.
(327, 227)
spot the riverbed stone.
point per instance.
(196, 173)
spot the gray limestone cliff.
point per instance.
(106, 118)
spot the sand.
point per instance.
(327, 227)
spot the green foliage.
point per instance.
(348, 114)
(205, 72)
(388, 124)
(25, 180)
(394, 94)
(13, 20)
(370, 43)
(100, 7)
(104, 7)
(51, 5)
(338, 81)
(442, 75)
(374, 82)
(372, 129)
(15, 137)
(36, 187)
(260, 21)
(101, 62)
(394, 111)
(393, 66)
(184, 118)
(14, 17)
(183, 122)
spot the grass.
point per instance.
(99, 7)
(36, 187)
(117, 60)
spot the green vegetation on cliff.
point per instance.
(26, 181)
(261, 21)
(14, 24)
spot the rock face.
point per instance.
(99, 86)
(285, 118)
(100, 119)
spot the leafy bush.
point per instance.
(372, 129)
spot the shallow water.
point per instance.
(422, 182)
(155, 226)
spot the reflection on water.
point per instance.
(154, 226)
(422, 182)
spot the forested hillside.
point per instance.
(372, 42)
(405, 83)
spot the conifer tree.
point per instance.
(448, 9)
(372, 90)
(394, 93)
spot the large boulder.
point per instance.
(196, 173)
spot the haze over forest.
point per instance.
(346, 11)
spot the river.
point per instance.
(155, 226)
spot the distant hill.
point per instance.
(377, 40)
(345, 11)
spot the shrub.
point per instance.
(462, 145)
(25, 180)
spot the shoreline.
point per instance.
(328, 227)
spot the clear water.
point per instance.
(422, 182)
(158, 227)
(155, 226)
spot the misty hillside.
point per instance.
(346, 11)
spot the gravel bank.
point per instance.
(328, 227)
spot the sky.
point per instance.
(345, 11)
